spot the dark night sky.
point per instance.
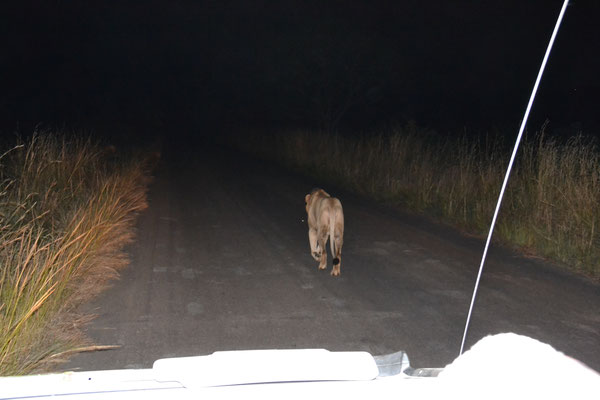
(350, 64)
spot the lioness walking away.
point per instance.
(325, 221)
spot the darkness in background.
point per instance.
(348, 65)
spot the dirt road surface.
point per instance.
(222, 262)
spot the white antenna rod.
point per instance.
(510, 164)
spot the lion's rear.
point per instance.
(326, 222)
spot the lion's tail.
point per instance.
(335, 237)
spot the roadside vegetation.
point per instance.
(67, 209)
(551, 208)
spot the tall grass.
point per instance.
(67, 208)
(551, 208)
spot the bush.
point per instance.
(67, 208)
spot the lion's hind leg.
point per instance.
(321, 242)
(315, 251)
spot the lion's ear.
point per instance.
(306, 198)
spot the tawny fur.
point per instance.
(325, 221)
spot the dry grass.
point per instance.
(67, 208)
(557, 203)
(551, 208)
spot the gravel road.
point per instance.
(222, 262)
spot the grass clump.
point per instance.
(551, 207)
(67, 208)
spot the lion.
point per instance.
(325, 221)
